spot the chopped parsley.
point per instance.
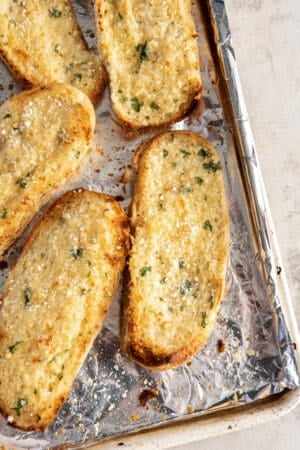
(54, 13)
(203, 319)
(21, 402)
(181, 264)
(211, 166)
(7, 116)
(184, 152)
(144, 270)
(78, 76)
(143, 51)
(163, 280)
(27, 296)
(170, 308)
(4, 213)
(207, 225)
(204, 153)
(185, 189)
(77, 252)
(22, 183)
(199, 180)
(77, 154)
(165, 153)
(185, 287)
(155, 106)
(13, 348)
(69, 67)
(210, 301)
(135, 104)
(120, 16)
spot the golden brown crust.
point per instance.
(143, 315)
(55, 330)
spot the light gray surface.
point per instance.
(266, 38)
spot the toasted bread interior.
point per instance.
(55, 301)
(44, 136)
(151, 55)
(179, 252)
(41, 42)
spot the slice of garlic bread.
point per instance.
(44, 135)
(55, 302)
(42, 43)
(179, 253)
(151, 55)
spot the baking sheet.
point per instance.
(249, 355)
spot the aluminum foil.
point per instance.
(250, 354)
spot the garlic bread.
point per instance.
(179, 250)
(151, 56)
(41, 42)
(44, 135)
(55, 301)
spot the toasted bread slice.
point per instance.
(44, 135)
(180, 245)
(55, 302)
(151, 55)
(42, 43)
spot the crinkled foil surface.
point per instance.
(249, 355)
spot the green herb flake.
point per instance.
(35, 391)
(22, 183)
(170, 309)
(185, 287)
(77, 252)
(56, 48)
(161, 299)
(154, 105)
(184, 152)
(211, 166)
(165, 153)
(27, 296)
(204, 153)
(7, 116)
(135, 104)
(143, 51)
(163, 280)
(69, 67)
(54, 13)
(185, 189)
(78, 76)
(77, 154)
(20, 404)
(120, 16)
(199, 180)
(210, 301)
(144, 270)
(203, 319)
(4, 213)
(13, 348)
(160, 205)
(207, 225)
(181, 264)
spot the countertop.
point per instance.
(266, 39)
